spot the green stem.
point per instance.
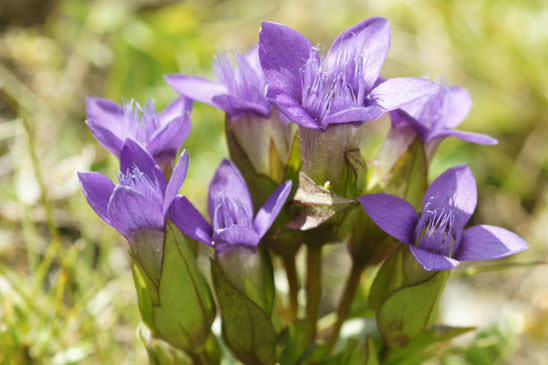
(350, 288)
(293, 280)
(313, 290)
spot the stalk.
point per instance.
(350, 288)
(313, 290)
(293, 280)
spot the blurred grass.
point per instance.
(51, 59)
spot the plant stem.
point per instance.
(350, 288)
(293, 280)
(313, 290)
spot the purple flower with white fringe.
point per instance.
(342, 87)
(138, 206)
(238, 89)
(160, 134)
(437, 238)
(434, 117)
(231, 212)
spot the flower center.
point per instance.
(227, 214)
(139, 181)
(436, 230)
(328, 88)
(139, 122)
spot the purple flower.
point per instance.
(437, 238)
(161, 134)
(434, 117)
(342, 87)
(138, 205)
(239, 89)
(231, 212)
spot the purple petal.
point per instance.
(432, 261)
(133, 155)
(235, 235)
(357, 114)
(97, 190)
(270, 210)
(454, 190)
(190, 221)
(176, 181)
(371, 39)
(180, 107)
(252, 59)
(228, 182)
(489, 242)
(195, 88)
(283, 53)
(458, 106)
(392, 214)
(290, 108)
(478, 138)
(105, 137)
(234, 105)
(130, 211)
(400, 117)
(167, 140)
(394, 93)
(105, 112)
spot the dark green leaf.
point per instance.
(247, 329)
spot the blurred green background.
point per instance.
(66, 292)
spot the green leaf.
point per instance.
(181, 310)
(425, 346)
(408, 178)
(247, 329)
(408, 311)
(359, 353)
(293, 340)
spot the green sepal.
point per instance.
(359, 353)
(358, 167)
(408, 178)
(425, 346)
(162, 353)
(247, 329)
(181, 310)
(293, 163)
(410, 310)
(260, 185)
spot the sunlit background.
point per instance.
(70, 299)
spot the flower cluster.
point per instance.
(294, 121)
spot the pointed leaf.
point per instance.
(247, 329)
(186, 310)
(409, 311)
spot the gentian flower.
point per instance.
(434, 117)
(138, 206)
(160, 134)
(330, 97)
(257, 139)
(239, 90)
(231, 212)
(437, 238)
(342, 87)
